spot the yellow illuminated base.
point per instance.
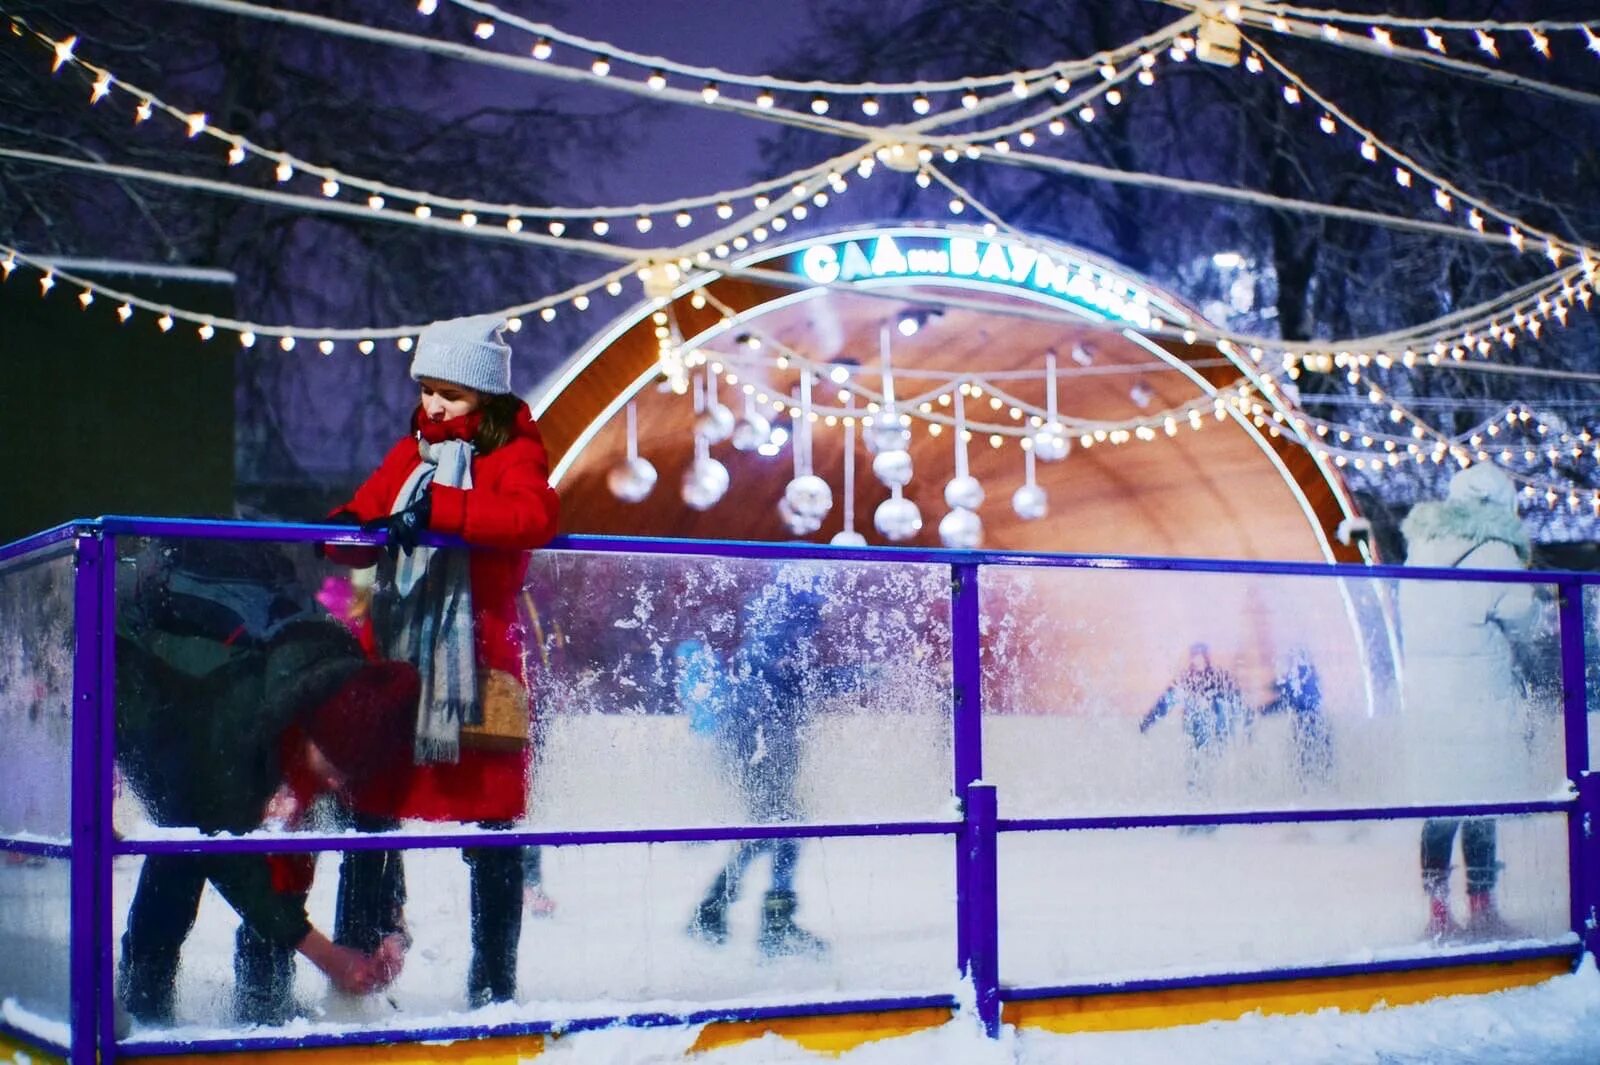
(835, 1034)
(1196, 1005)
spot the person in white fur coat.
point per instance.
(1465, 711)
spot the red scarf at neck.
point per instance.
(463, 428)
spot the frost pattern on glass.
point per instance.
(36, 655)
(681, 690)
(34, 936)
(617, 937)
(1087, 907)
(1151, 692)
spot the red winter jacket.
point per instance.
(509, 510)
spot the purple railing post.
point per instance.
(977, 906)
(83, 938)
(980, 905)
(1583, 826)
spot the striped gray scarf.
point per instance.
(430, 621)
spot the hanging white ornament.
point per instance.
(961, 528)
(715, 424)
(884, 436)
(706, 480)
(1029, 501)
(897, 518)
(893, 468)
(962, 492)
(752, 431)
(1050, 443)
(809, 496)
(888, 432)
(847, 536)
(797, 523)
(631, 479)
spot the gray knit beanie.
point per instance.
(465, 351)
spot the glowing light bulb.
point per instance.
(483, 31)
(709, 92)
(330, 188)
(102, 86)
(542, 48)
(920, 104)
(284, 170)
(869, 106)
(375, 202)
(142, 112)
(63, 50)
(601, 66)
(235, 155)
(656, 80)
(819, 104)
(764, 99)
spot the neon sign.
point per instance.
(995, 262)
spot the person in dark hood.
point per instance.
(232, 689)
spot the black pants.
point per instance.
(372, 891)
(165, 904)
(1477, 850)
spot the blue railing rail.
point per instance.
(976, 829)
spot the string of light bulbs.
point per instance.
(1446, 193)
(471, 212)
(658, 65)
(1380, 41)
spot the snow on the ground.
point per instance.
(1553, 1023)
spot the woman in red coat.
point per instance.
(475, 468)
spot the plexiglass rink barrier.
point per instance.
(762, 780)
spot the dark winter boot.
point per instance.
(710, 921)
(1442, 927)
(1484, 922)
(146, 992)
(780, 936)
(263, 972)
(496, 877)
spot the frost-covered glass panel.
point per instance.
(1096, 906)
(682, 690)
(1482, 707)
(36, 654)
(1147, 691)
(229, 655)
(625, 928)
(35, 927)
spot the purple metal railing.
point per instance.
(976, 832)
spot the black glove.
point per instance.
(405, 527)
